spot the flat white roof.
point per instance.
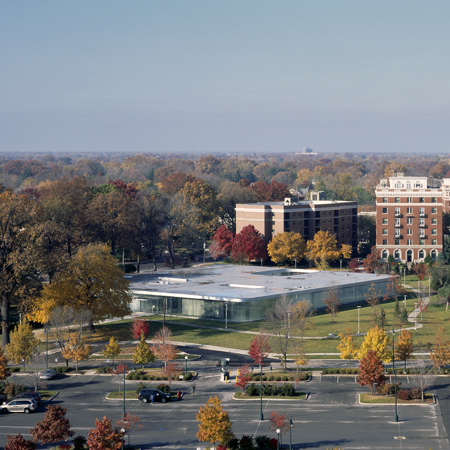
(241, 283)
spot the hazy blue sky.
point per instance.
(225, 76)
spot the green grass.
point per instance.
(241, 396)
(383, 399)
(47, 394)
(119, 394)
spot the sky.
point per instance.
(234, 76)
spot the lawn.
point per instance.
(385, 399)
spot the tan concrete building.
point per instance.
(409, 217)
(304, 217)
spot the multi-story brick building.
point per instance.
(409, 217)
(304, 217)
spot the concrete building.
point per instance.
(243, 293)
(409, 217)
(304, 217)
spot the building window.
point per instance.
(433, 199)
(397, 199)
(422, 233)
(421, 241)
(397, 254)
(409, 210)
(384, 210)
(397, 211)
(409, 200)
(385, 199)
(421, 222)
(397, 222)
(384, 241)
(421, 199)
(385, 254)
(421, 254)
(434, 210)
(385, 231)
(433, 241)
(397, 241)
(385, 221)
(433, 221)
(409, 242)
(434, 232)
(397, 233)
(409, 232)
(422, 212)
(409, 221)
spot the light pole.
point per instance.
(290, 433)
(415, 316)
(204, 251)
(404, 275)
(46, 329)
(429, 288)
(395, 376)
(278, 438)
(124, 412)
(186, 359)
(359, 307)
(404, 300)
(123, 431)
(226, 314)
(340, 262)
(261, 415)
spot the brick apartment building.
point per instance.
(409, 217)
(304, 217)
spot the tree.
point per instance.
(372, 261)
(404, 347)
(4, 370)
(76, 350)
(214, 425)
(112, 350)
(162, 347)
(347, 347)
(243, 377)
(17, 442)
(23, 343)
(259, 348)
(104, 436)
(54, 427)
(278, 422)
(223, 239)
(273, 192)
(288, 246)
(130, 423)
(139, 326)
(371, 370)
(440, 355)
(378, 341)
(248, 244)
(322, 249)
(346, 251)
(302, 316)
(424, 376)
(93, 282)
(143, 354)
(333, 302)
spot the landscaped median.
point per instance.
(369, 399)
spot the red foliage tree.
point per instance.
(223, 239)
(244, 377)
(371, 370)
(371, 262)
(17, 442)
(104, 436)
(139, 326)
(353, 265)
(130, 423)
(175, 182)
(54, 427)
(259, 348)
(272, 192)
(420, 270)
(249, 244)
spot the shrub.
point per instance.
(271, 378)
(251, 390)
(287, 390)
(263, 443)
(416, 393)
(233, 443)
(140, 386)
(79, 442)
(63, 369)
(404, 394)
(12, 389)
(246, 443)
(278, 378)
(188, 376)
(103, 369)
(164, 387)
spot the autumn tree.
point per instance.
(279, 422)
(404, 346)
(76, 350)
(440, 355)
(424, 376)
(371, 370)
(223, 239)
(378, 341)
(4, 370)
(301, 317)
(92, 281)
(143, 354)
(347, 347)
(323, 249)
(287, 246)
(214, 425)
(249, 245)
(23, 343)
(372, 261)
(112, 350)
(130, 423)
(259, 348)
(243, 377)
(332, 302)
(17, 442)
(104, 436)
(54, 427)
(163, 349)
(139, 326)
(273, 192)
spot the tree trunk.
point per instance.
(5, 321)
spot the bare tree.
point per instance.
(34, 370)
(333, 302)
(424, 376)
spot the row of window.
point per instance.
(409, 254)
(409, 199)
(409, 211)
(409, 221)
(409, 242)
(409, 232)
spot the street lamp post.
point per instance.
(429, 288)
(290, 433)
(404, 275)
(261, 415)
(46, 329)
(124, 412)
(404, 300)
(226, 314)
(186, 359)
(395, 375)
(359, 307)
(278, 438)
(340, 268)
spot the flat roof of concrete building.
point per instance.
(241, 283)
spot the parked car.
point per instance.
(48, 374)
(145, 395)
(30, 395)
(25, 405)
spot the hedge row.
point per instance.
(270, 390)
(281, 377)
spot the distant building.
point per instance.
(409, 217)
(304, 217)
(307, 151)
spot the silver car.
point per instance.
(48, 374)
(25, 405)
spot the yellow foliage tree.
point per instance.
(4, 370)
(76, 350)
(346, 251)
(441, 349)
(378, 341)
(347, 347)
(214, 425)
(288, 246)
(322, 249)
(143, 354)
(112, 350)
(23, 343)
(404, 347)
